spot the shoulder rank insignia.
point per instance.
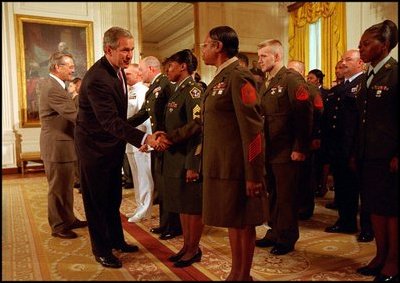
(195, 92)
(196, 111)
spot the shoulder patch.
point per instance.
(318, 102)
(249, 93)
(302, 93)
(195, 92)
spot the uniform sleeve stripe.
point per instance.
(255, 147)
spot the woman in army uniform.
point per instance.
(378, 149)
(181, 163)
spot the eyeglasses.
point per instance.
(71, 67)
(205, 44)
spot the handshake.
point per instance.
(157, 140)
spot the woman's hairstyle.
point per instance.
(185, 56)
(228, 37)
(318, 73)
(385, 31)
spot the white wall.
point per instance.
(362, 15)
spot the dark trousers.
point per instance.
(102, 195)
(282, 186)
(127, 170)
(306, 187)
(346, 193)
(169, 221)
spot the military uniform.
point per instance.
(288, 120)
(183, 107)
(311, 168)
(379, 141)
(346, 185)
(153, 107)
(233, 150)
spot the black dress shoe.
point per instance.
(157, 230)
(280, 249)
(184, 263)
(109, 261)
(128, 186)
(176, 257)
(66, 234)
(339, 229)
(382, 277)
(127, 248)
(331, 205)
(264, 243)
(321, 191)
(305, 215)
(365, 237)
(369, 271)
(169, 235)
(78, 224)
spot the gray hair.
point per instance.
(151, 61)
(112, 36)
(58, 58)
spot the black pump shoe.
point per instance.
(176, 257)
(382, 277)
(184, 263)
(369, 271)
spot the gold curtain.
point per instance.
(333, 33)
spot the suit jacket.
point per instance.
(183, 107)
(154, 105)
(233, 140)
(288, 112)
(379, 115)
(57, 113)
(102, 131)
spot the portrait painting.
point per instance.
(36, 39)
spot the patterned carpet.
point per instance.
(30, 253)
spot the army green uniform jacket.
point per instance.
(154, 105)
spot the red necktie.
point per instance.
(121, 78)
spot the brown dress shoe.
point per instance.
(65, 234)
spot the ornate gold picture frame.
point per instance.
(36, 39)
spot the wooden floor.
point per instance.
(29, 253)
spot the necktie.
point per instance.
(121, 78)
(370, 77)
(267, 81)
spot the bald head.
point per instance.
(297, 66)
(352, 63)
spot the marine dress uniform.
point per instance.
(233, 149)
(183, 107)
(288, 114)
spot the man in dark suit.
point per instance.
(57, 112)
(157, 96)
(101, 134)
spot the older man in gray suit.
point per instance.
(58, 114)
